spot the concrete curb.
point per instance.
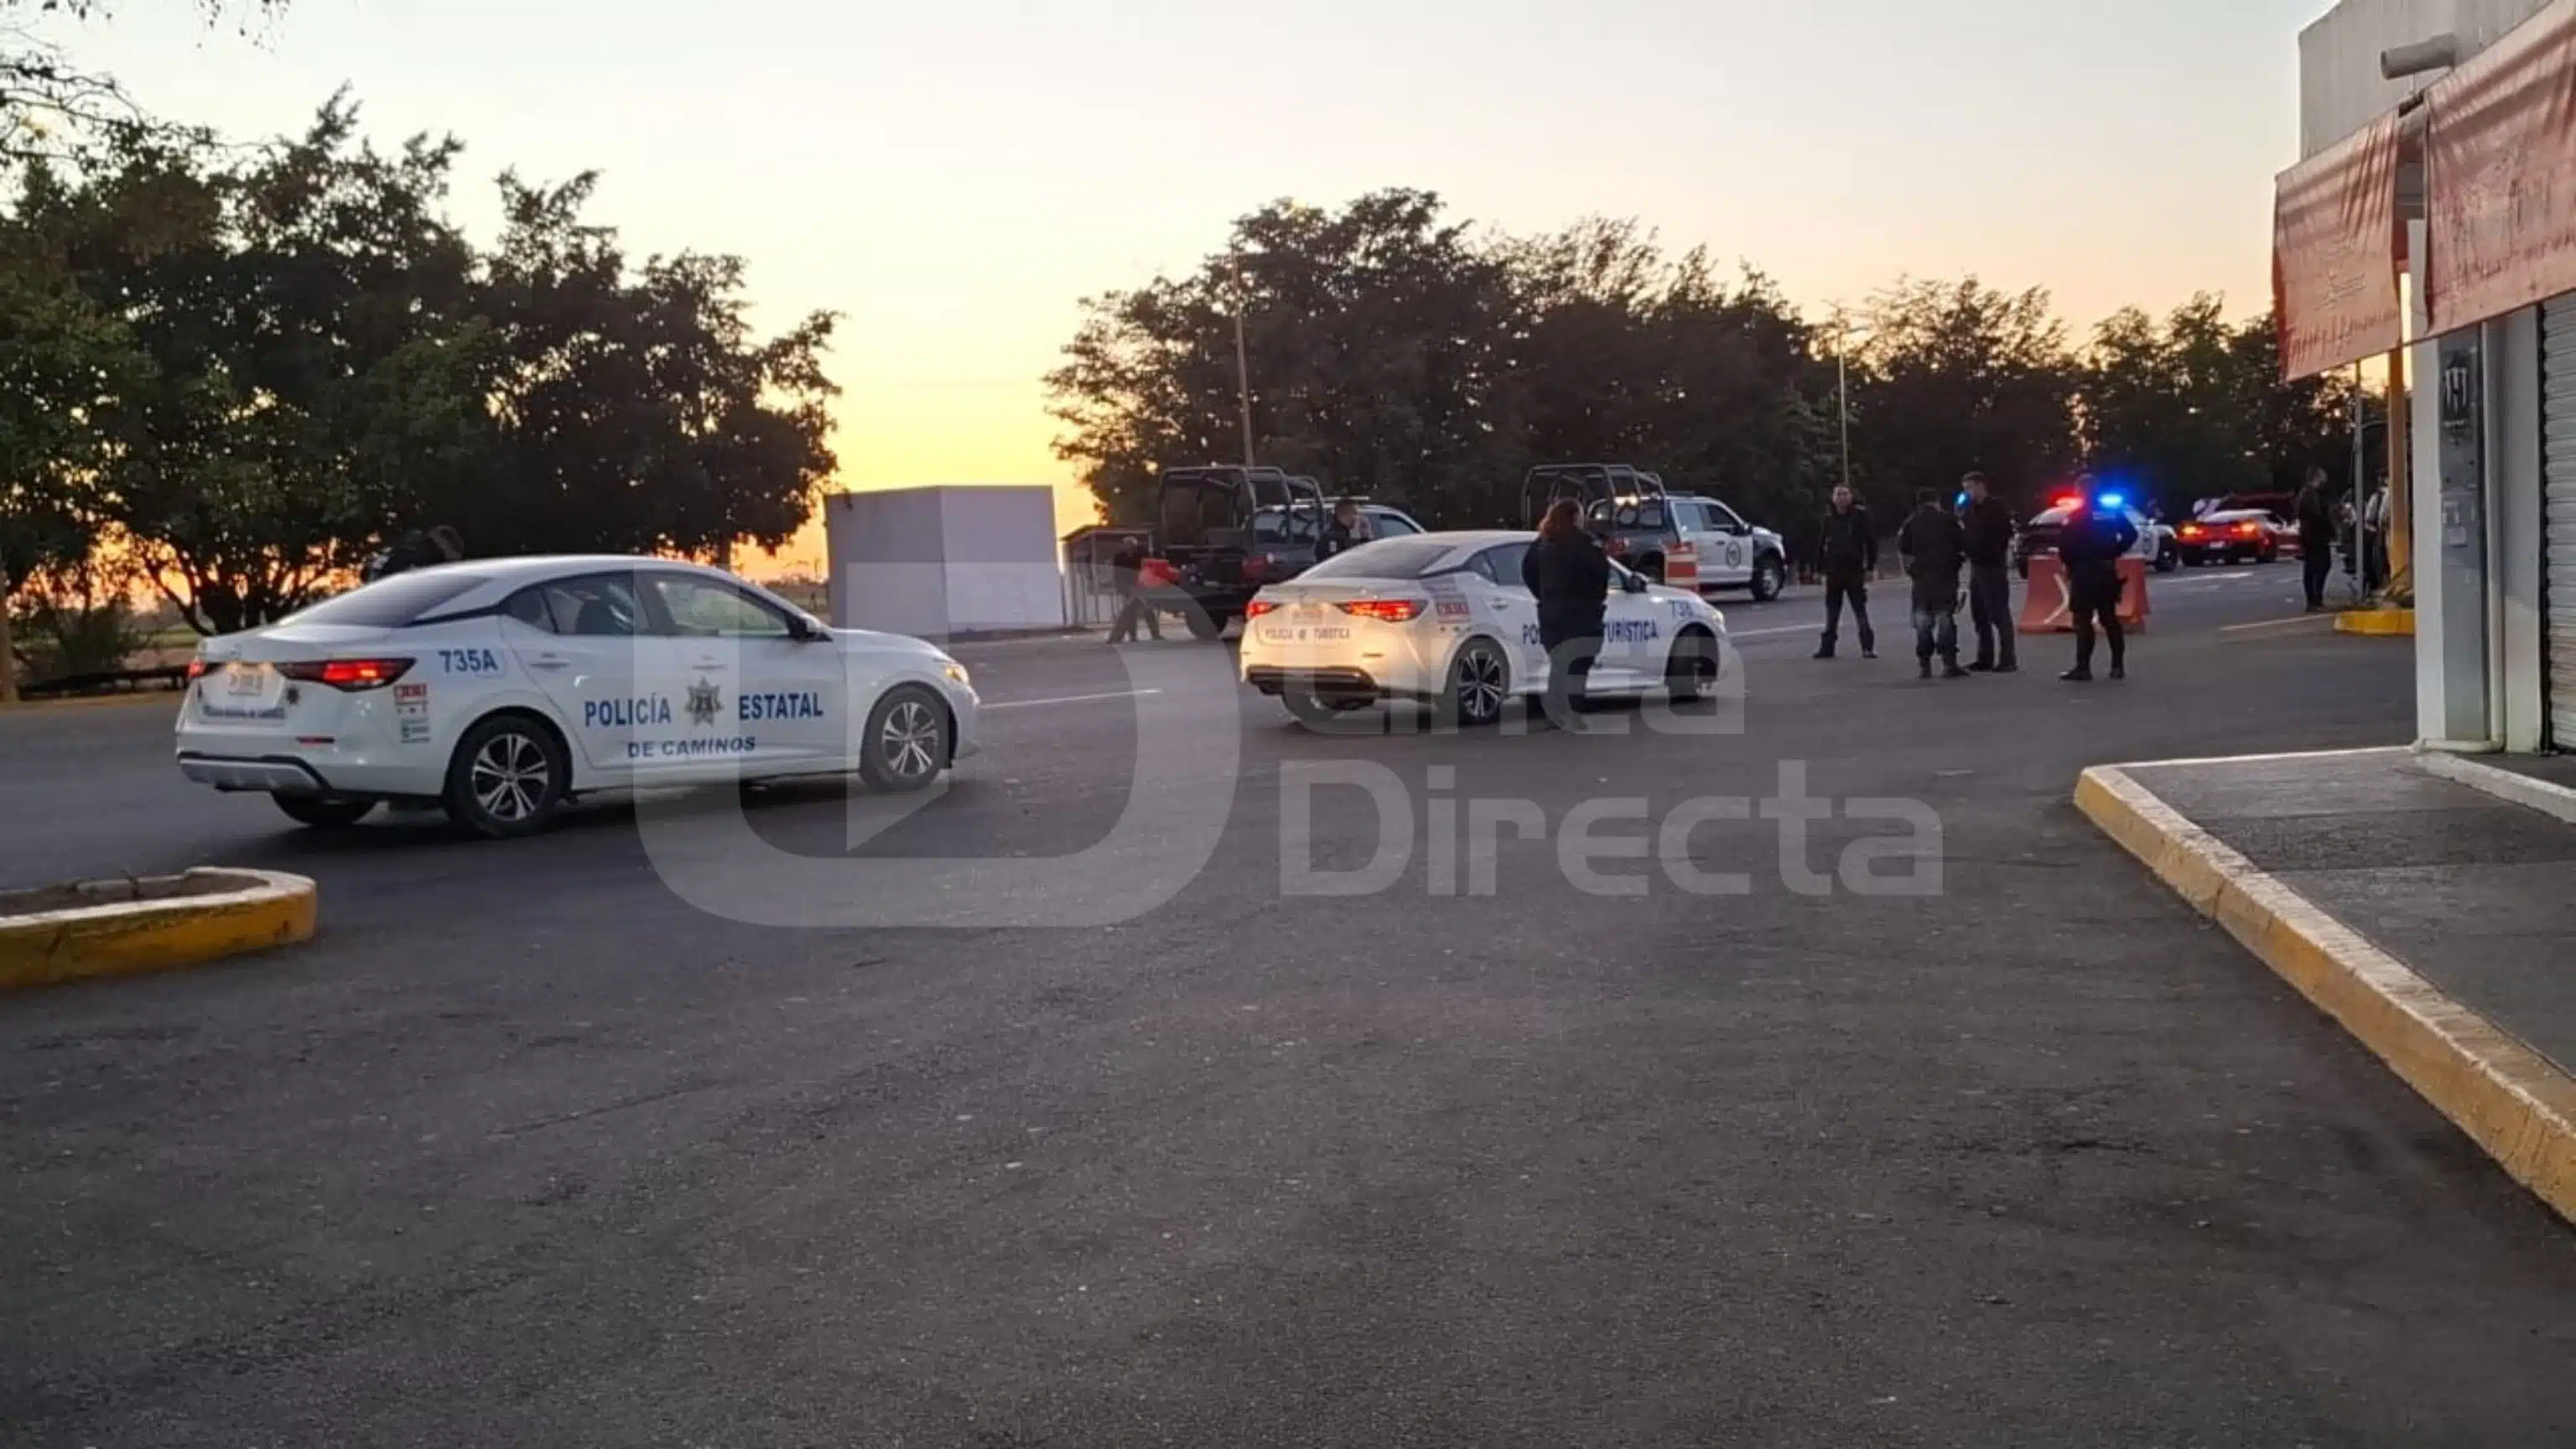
(121, 927)
(2513, 1102)
(2540, 795)
(2377, 623)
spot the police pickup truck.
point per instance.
(1685, 539)
(1225, 531)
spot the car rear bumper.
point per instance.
(275, 774)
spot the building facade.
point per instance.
(2492, 406)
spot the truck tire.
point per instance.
(1770, 576)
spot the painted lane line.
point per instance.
(1733, 634)
(1070, 699)
(2294, 621)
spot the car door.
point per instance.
(585, 641)
(1632, 633)
(751, 692)
(1510, 610)
(1726, 549)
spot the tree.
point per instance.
(1376, 336)
(636, 412)
(307, 333)
(1957, 376)
(52, 109)
(2194, 407)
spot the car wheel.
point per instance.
(2167, 561)
(906, 743)
(1692, 666)
(324, 812)
(1480, 679)
(509, 777)
(1204, 625)
(1770, 576)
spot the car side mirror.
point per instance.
(1633, 583)
(805, 629)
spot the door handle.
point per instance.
(548, 661)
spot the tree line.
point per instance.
(228, 374)
(1397, 351)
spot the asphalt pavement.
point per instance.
(713, 1123)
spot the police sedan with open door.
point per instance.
(503, 689)
(1444, 618)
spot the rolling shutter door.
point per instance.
(2558, 516)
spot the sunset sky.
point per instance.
(954, 178)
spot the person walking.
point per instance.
(1987, 525)
(1570, 575)
(2314, 514)
(1847, 554)
(1124, 566)
(1345, 532)
(2091, 545)
(1934, 545)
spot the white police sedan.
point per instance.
(1444, 618)
(504, 688)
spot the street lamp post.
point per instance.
(1844, 332)
(1242, 366)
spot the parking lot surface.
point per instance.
(529, 1148)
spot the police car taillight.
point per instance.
(197, 670)
(1385, 611)
(353, 675)
(1259, 607)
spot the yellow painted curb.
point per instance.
(2380, 623)
(119, 927)
(2512, 1101)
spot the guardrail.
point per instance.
(105, 681)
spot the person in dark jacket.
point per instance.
(2315, 515)
(1345, 532)
(1133, 608)
(1570, 575)
(2091, 545)
(1934, 547)
(1988, 528)
(1847, 554)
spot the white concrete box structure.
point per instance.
(2492, 420)
(936, 563)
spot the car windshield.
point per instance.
(394, 602)
(1387, 558)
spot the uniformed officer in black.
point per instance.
(1988, 522)
(2091, 546)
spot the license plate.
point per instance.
(247, 681)
(1307, 612)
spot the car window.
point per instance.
(592, 606)
(705, 608)
(1720, 516)
(1385, 558)
(392, 603)
(1285, 525)
(529, 607)
(1387, 523)
(1502, 563)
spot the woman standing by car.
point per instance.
(1570, 575)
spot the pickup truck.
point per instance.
(1225, 531)
(1668, 537)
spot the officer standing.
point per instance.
(1347, 531)
(1133, 607)
(2316, 520)
(1934, 545)
(1988, 525)
(1847, 554)
(2091, 546)
(1570, 576)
